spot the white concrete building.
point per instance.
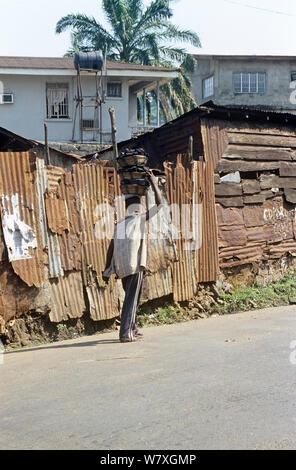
(34, 91)
(258, 81)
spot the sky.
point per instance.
(224, 26)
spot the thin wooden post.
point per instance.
(47, 154)
(157, 104)
(114, 143)
(144, 107)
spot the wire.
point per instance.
(260, 8)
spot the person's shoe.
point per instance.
(126, 340)
(138, 335)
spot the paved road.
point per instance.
(221, 383)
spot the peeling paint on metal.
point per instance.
(18, 176)
(19, 237)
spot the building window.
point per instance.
(57, 100)
(114, 90)
(293, 76)
(249, 82)
(208, 87)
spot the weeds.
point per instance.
(258, 296)
(167, 314)
(241, 299)
(61, 327)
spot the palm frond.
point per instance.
(157, 10)
(172, 32)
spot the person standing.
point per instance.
(127, 256)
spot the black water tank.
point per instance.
(88, 60)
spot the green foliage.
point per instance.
(167, 314)
(258, 296)
(61, 327)
(142, 35)
(240, 299)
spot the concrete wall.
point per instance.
(28, 113)
(278, 75)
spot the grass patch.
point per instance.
(167, 314)
(258, 296)
(240, 299)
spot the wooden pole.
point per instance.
(157, 103)
(47, 155)
(144, 107)
(114, 143)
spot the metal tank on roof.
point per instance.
(88, 60)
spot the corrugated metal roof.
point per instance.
(10, 141)
(165, 142)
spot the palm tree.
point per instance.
(139, 35)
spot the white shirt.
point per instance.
(130, 245)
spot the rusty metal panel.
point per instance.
(67, 297)
(70, 239)
(56, 212)
(95, 185)
(92, 188)
(17, 298)
(62, 208)
(157, 285)
(214, 137)
(103, 301)
(54, 176)
(268, 231)
(50, 241)
(161, 249)
(208, 259)
(180, 192)
(20, 218)
(236, 256)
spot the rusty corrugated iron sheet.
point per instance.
(214, 139)
(157, 285)
(50, 243)
(56, 211)
(62, 213)
(70, 238)
(54, 176)
(180, 193)
(20, 217)
(67, 297)
(96, 185)
(207, 254)
(103, 301)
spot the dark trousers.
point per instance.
(132, 286)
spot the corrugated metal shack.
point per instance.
(51, 256)
(240, 171)
(253, 153)
(11, 142)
